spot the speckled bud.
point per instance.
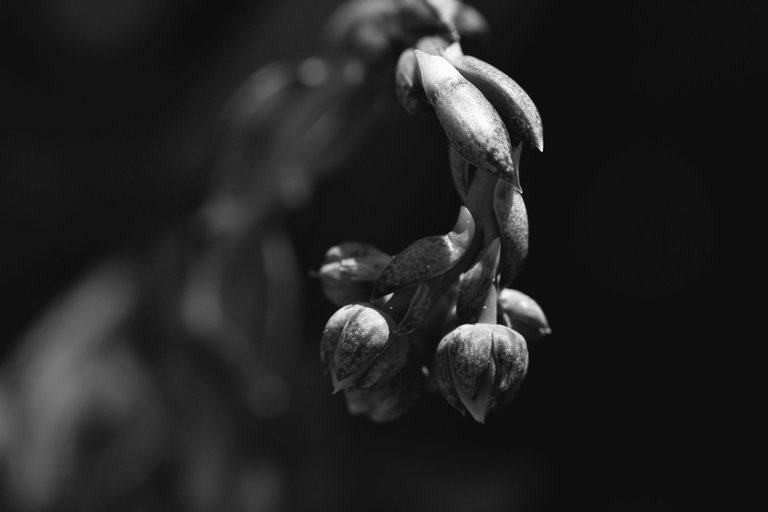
(349, 271)
(524, 313)
(480, 366)
(332, 333)
(367, 352)
(512, 218)
(470, 122)
(428, 257)
(513, 104)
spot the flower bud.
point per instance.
(470, 122)
(513, 104)
(428, 257)
(367, 352)
(349, 271)
(480, 366)
(332, 333)
(525, 315)
(418, 307)
(512, 218)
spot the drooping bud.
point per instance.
(349, 271)
(428, 257)
(470, 122)
(480, 366)
(513, 104)
(512, 218)
(332, 333)
(367, 352)
(525, 315)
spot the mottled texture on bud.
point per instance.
(428, 257)
(470, 122)
(486, 363)
(512, 218)
(513, 104)
(364, 336)
(475, 282)
(524, 314)
(387, 364)
(349, 271)
(332, 332)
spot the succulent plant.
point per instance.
(439, 309)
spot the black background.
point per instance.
(646, 105)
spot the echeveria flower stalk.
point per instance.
(470, 122)
(434, 310)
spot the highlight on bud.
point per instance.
(332, 332)
(479, 367)
(470, 122)
(428, 257)
(349, 271)
(512, 218)
(516, 108)
(525, 315)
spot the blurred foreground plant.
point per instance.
(147, 386)
(440, 310)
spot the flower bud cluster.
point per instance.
(441, 311)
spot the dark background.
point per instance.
(106, 117)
